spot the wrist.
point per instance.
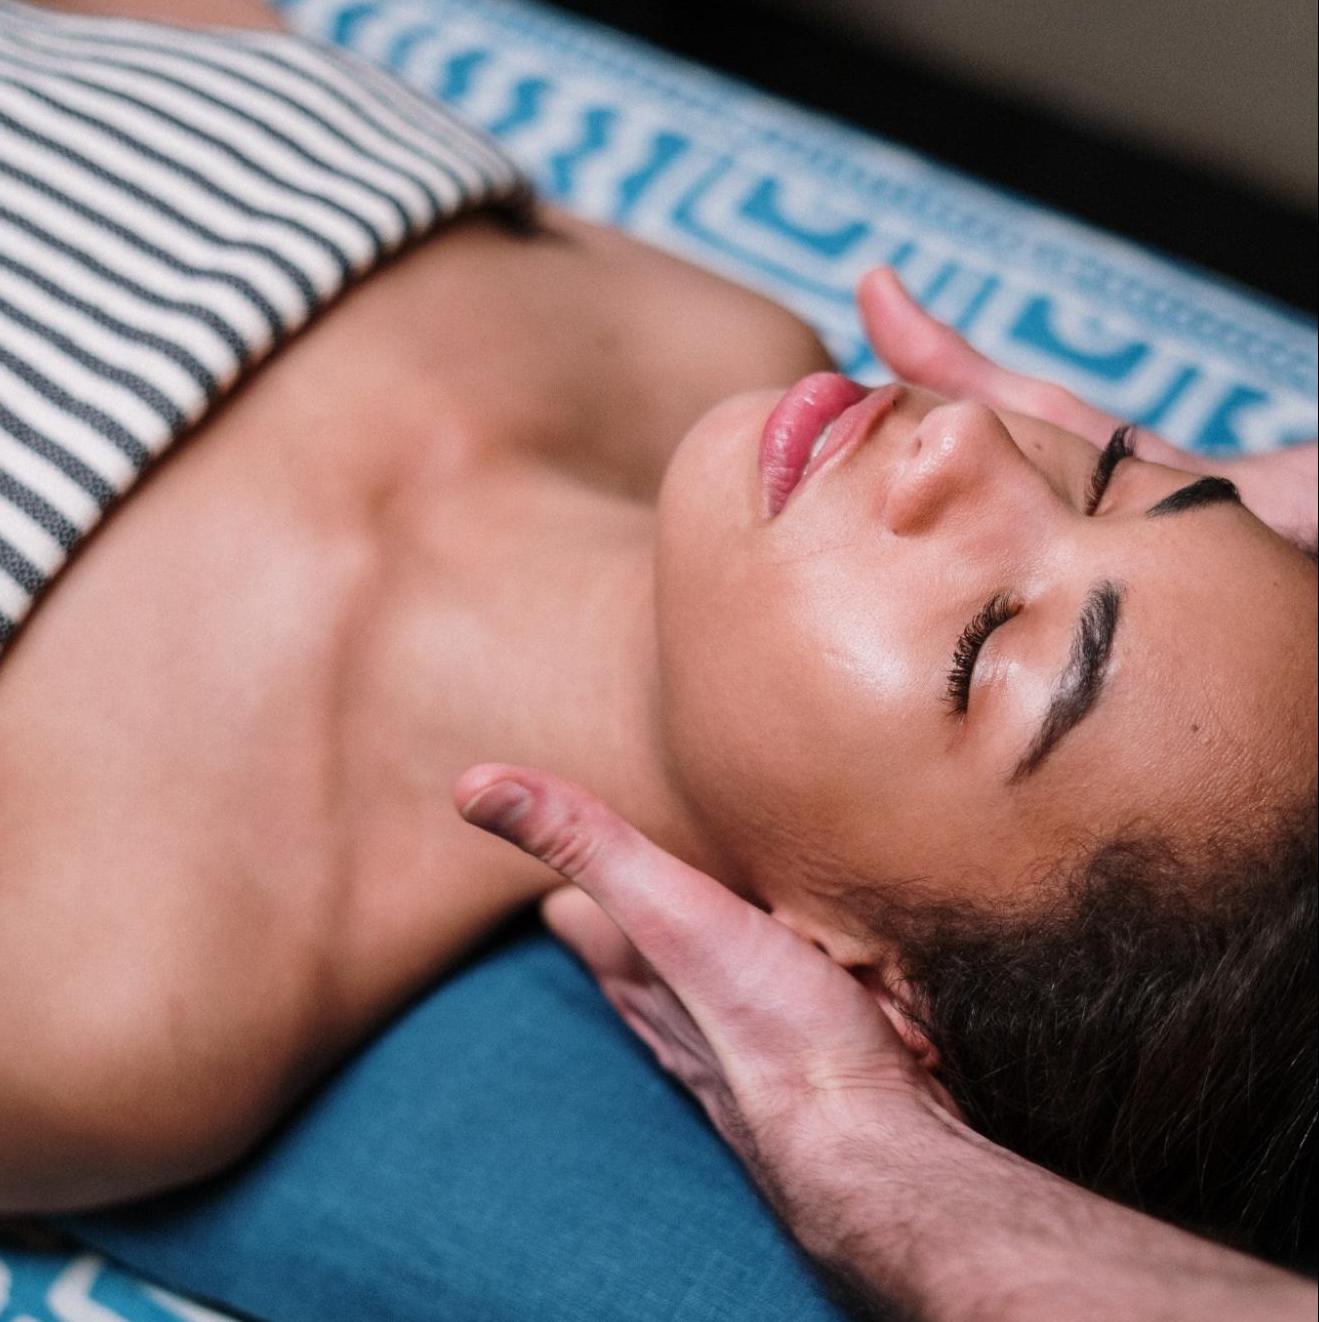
(851, 1164)
(917, 1208)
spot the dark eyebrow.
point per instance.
(1207, 491)
(1082, 681)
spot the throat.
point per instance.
(514, 623)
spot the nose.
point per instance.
(959, 460)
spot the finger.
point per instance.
(680, 920)
(718, 989)
(584, 927)
(915, 345)
(921, 349)
(630, 985)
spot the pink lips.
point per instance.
(815, 402)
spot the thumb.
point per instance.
(682, 921)
(917, 346)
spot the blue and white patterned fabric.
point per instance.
(49, 1286)
(798, 206)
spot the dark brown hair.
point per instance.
(1148, 1032)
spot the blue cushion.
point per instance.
(505, 1152)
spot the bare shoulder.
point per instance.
(185, 13)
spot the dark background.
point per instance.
(1142, 193)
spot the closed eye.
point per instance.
(1003, 606)
(997, 611)
(1121, 445)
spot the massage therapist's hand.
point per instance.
(1278, 487)
(849, 1138)
(781, 1046)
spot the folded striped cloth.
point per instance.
(173, 205)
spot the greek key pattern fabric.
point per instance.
(50, 1285)
(798, 206)
(173, 206)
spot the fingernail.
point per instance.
(497, 807)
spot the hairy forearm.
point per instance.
(950, 1228)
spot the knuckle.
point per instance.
(927, 351)
(573, 847)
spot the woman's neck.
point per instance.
(517, 624)
(591, 708)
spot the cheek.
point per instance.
(792, 708)
(800, 682)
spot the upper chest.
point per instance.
(377, 540)
(574, 346)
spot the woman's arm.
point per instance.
(849, 1139)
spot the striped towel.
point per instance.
(174, 204)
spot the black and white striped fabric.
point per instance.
(174, 204)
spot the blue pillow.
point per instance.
(505, 1152)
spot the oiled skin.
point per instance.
(228, 733)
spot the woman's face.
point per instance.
(937, 663)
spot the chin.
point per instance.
(712, 483)
(725, 717)
(708, 509)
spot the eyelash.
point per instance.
(1001, 607)
(1121, 445)
(997, 611)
